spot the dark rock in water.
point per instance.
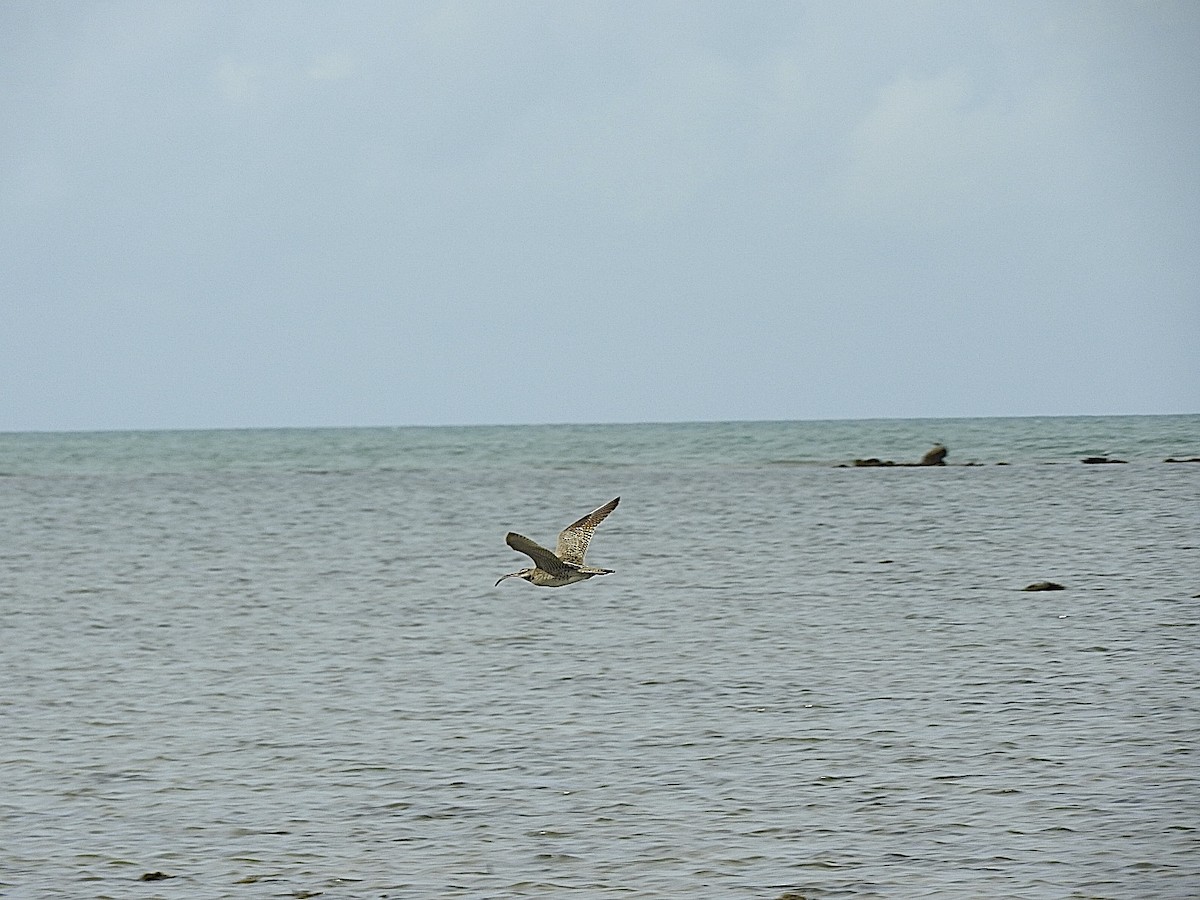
(1101, 460)
(935, 456)
(155, 876)
(1189, 459)
(1044, 586)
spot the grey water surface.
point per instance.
(274, 664)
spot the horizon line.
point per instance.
(574, 424)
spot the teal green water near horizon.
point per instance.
(275, 663)
(825, 442)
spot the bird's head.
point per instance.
(527, 574)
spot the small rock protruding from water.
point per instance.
(1044, 586)
(1101, 460)
(155, 876)
(935, 456)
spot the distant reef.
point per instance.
(934, 456)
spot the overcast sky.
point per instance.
(381, 213)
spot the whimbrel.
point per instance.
(565, 564)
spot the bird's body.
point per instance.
(565, 564)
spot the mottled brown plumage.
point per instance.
(565, 565)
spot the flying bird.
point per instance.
(565, 564)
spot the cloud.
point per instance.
(332, 67)
(238, 82)
(933, 149)
(39, 181)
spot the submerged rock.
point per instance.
(1044, 586)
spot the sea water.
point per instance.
(275, 664)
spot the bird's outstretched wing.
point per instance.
(573, 541)
(542, 558)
